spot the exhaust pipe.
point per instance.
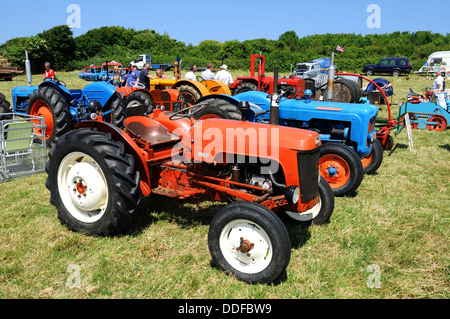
(28, 68)
(274, 101)
(331, 73)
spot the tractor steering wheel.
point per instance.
(55, 81)
(137, 85)
(201, 80)
(198, 107)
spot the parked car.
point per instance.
(308, 69)
(394, 66)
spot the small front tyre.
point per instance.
(320, 214)
(250, 242)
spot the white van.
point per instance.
(439, 60)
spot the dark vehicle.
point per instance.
(394, 66)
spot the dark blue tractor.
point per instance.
(63, 108)
(350, 147)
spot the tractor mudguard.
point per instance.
(60, 88)
(197, 85)
(130, 147)
(100, 91)
(217, 87)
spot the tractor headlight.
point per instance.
(292, 194)
(372, 137)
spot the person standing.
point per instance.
(145, 77)
(191, 74)
(438, 84)
(224, 76)
(208, 73)
(49, 75)
(439, 87)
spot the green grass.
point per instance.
(398, 221)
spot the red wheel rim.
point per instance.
(335, 170)
(441, 123)
(42, 109)
(412, 117)
(189, 98)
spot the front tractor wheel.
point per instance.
(92, 183)
(320, 214)
(250, 242)
(372, 162)
(341, 167)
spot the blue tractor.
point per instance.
(350, 147)
(63, 108)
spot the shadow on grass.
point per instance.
(445, 147)
(192, 213)
(399, 146)
(185, 213)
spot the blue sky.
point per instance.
(192, 21)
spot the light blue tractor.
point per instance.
(63, 108)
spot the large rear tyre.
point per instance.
(189, 94)
(53, 107)
(372, 162)
(117, 116)
(341, 167)
(321, 213)
(4, 106)
(250, 242)
(218, 108)
(93, 183)
(136, 99)
(245, 87)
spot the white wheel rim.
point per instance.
(260, 254)
(307, 215)
(82, 187)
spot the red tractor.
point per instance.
(98, 173)
(264, 83)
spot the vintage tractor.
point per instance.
(429, 112)
(174, 94)
(261, 82)
(350, 147)
(98, 173)
(63, 108)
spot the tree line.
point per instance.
(66, 52)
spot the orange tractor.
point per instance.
(174, 94)
(98, 173)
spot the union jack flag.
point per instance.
(339, 48)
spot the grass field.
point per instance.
(389, 241)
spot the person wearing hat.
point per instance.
(224, 76)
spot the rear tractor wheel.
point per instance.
(92, 183)
(48, 103)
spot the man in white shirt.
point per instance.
(224, 76)
(438, 87)
(208, 73)
(438, 84)
(191, 74)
